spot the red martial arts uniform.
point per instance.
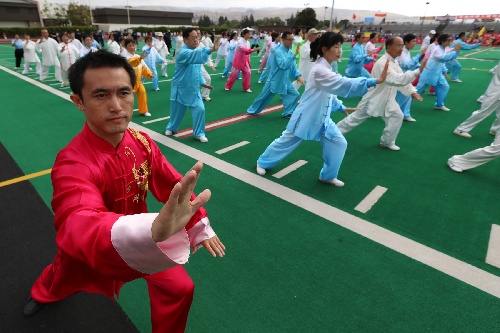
(104, 232)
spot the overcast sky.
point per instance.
(403, 7)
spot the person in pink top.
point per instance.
(241, 62)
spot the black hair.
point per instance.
(232, 35)
(244, 32)
(187, 31)
(436, 36)
(327, 40)
(390, 41)
(443, 38)
(460, 35)
(286, 33)
(274, 34)
(94, 60)
(358, 35)
(408, 38)
(128, 41)
(372, 35)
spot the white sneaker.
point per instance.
(462, 133)
(259, 82)
(442, 108)
(165, 75)
(493, 133)
(248, 91)
(223, 76)
(391, 146)
(147, 114)
(457, 80)
(208, 99)
(240, 78)
(260, 170)
(157, 89)
(168, 132)
(454, 167)
(226, 89)
(411, 119)
(201, 138)
(432, 93)
(334, 182)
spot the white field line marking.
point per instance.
(155, 120)
(453, 267)
(493, 254)
(371, 199)
(289, 169)
(238, 145)
(480, 51)
(228, 121)
(151, 82)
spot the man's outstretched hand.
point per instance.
(179, 208)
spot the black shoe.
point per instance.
(31, 307)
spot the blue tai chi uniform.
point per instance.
(186, 89)
(311, 120)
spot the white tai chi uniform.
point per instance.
(162, 49)
(479, 156)
(31, 56)
(113, 47)
(381, 100)
(305, 63)
(48, 49)
(205, 92)
(222, 51)
(68, 54)
(490, 102)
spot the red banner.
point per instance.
(478, 17)
(380, 15)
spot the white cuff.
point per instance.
(131, 237)
(200, 231)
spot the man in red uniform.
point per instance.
(105, 237)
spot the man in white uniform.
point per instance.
(48, 48)
(305, 63)
(381, 100)
(69, 54)
(427, 39)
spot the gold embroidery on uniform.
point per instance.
(141, 174)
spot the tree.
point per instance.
(205, 21)
(306, 18)
(78, 14)
(291, 21)
(54, 14)
(266, 21)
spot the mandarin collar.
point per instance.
(98, 142)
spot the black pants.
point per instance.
(19, 53)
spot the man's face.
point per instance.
(88, 41)
(312, 37)
(192, 40)
(411, 44)
(107, 102)
(288, 41)
(65, 39)
(362, 39)
(72, 35)
(45, 34)
(396, 48)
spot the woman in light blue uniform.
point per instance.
(311, 119)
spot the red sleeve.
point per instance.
(82, 221)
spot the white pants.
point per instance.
(205, 93)
(64, 78)
(481, 114)
(38, 69)
(57, 72)
(392, 124)
(164, 69)
(479, 156)
(219, 56)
